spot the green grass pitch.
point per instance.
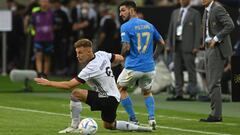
(46, 111)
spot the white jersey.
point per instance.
(98, 75)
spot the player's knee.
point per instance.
(75, 93)
(146, 93)
(122, 88)
(123, 91)
(108, 127)
(79, 94)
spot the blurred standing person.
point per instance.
(217, 25)
(84, 19)
(137, 37)
(74, 9)
(62, 30)
(32, 7)
(66, 7)
(108, 31)
(43, 23)
(16, 37)
(184, 41)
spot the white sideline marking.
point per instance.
(193, 131)
(180, 118)
(67, 115)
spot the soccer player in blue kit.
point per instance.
(137, 37)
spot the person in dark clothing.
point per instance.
(108, 32)
(217, 26)
(184, 41)
(16, 46)
(28, 29)
(84, 21)
(42, 21)
(62, 29)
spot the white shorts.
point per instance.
(129, 78)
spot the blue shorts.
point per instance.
(44, 47)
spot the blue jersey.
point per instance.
(140, 34)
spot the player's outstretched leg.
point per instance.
(150, 104)
(127, 126)
(128, 106)
(75, 109)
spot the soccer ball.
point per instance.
(88, 126)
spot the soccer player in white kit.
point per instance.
(105, 97)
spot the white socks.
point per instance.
(75, 109)
(126, 126)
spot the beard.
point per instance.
(125, 20)
(128, 17)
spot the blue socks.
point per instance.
(149, 102)
(127, 104)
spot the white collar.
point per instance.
(209, 6)
(185, 8)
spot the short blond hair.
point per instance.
(83, 43)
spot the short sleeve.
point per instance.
(106, 54)
(124, 34)
(87, 73)
(83, 76)
(80, 80)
